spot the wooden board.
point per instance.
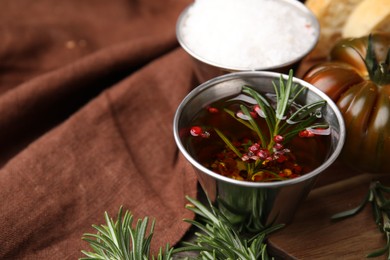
(313, 235)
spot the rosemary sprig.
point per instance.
(278, 120)
(284, 121)
(283, 95)
(119, 240)
(377, 196)
(217, 238)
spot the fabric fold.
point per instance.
(86, 127)
(47, 99)
(117, 150)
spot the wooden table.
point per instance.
(313, 235)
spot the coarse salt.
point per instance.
(247, 34)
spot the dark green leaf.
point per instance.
(283, 95)
(378, 252)
(352, 212)
(305, 112)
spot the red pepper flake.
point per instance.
(245, 158)
(278, 138)
(196, 130)
(287, 172)
(263, 154)
(236, 143)
(253, 114)
(205, 134)
(257, 109)
(305, 133)
(257, 178)
(281, 158)
(297, 168)
(213, 110)
(278, 146)
(254, 147)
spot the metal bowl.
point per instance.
(261, 202)
(205, 68)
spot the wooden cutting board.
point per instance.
(313, 235)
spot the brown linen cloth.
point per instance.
(88, 90)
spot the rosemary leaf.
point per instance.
(228, 143)
(203, 211)
(231, 113)
(306, 112)
(382, 188)
(297, 90)
(138, 236)
(264, 105)
(108, 245)
(378, 252)
(198, 225)
(283, 95)
(254, 125)
(97, 245)
(110, 226)
(91, 256)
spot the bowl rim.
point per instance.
(294, 3)
(235, 75)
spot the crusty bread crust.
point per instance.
(332, 15)
(368, 16)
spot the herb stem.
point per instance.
(381, 211)
(255, 126)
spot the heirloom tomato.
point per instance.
(357, 78)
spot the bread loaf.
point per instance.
(332, 15)
(367, 17)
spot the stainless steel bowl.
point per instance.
(206, 69)
(262, 203)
